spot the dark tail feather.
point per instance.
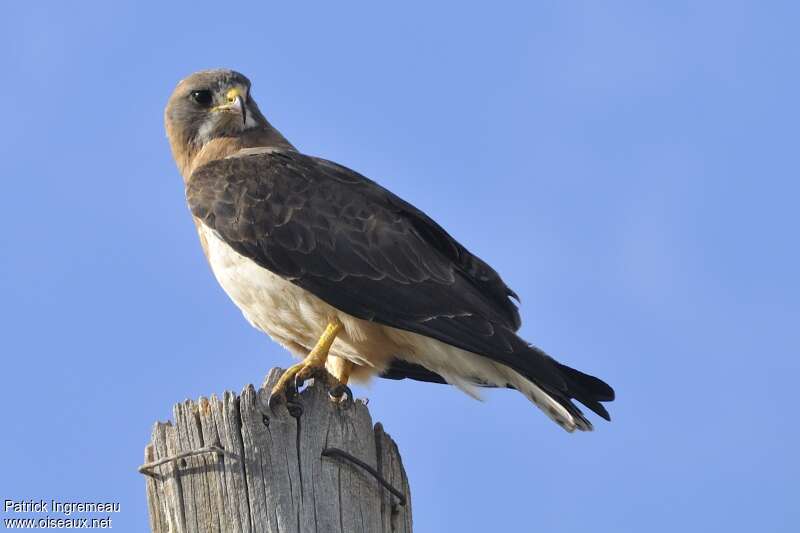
(561, 382)
(588, 390)
(399, 369)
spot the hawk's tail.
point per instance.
(548, 384)
(555, 399)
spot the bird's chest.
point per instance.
(272, 304)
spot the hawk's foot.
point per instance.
(286, 390)
(313, 366)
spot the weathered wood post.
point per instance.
(232, 465)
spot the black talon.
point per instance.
(288, 395)
(291, 390)
(338, 393)
(298, 382)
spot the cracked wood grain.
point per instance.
(272, 476)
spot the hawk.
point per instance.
(346, 275)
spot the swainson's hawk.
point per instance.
(342, 272)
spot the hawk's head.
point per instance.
(212, 105)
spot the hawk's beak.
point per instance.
(235, 104)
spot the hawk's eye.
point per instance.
(202, 98)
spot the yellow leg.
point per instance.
(313, 365)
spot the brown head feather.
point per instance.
(199, 134)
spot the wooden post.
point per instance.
(232, 465)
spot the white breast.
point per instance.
(290, 315)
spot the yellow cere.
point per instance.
(233, 93)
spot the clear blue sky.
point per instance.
(630, 168)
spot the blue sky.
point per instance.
(630, 168)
